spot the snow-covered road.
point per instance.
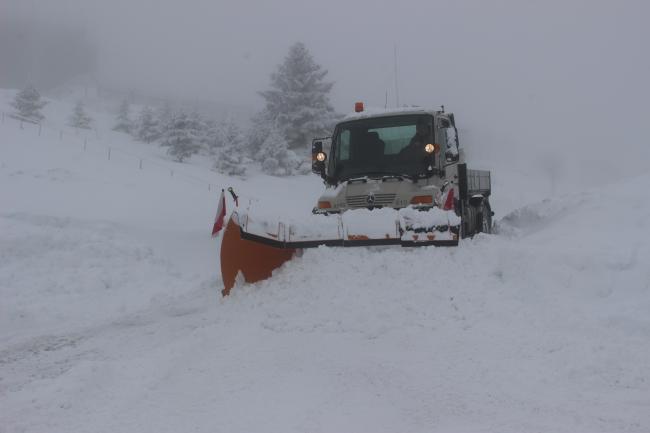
(111, 319)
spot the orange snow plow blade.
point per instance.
(255, 248)
(256, 261)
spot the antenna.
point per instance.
(396, 86)
(386, 102)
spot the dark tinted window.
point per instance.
(384, 145)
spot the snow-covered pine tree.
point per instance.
(181, 138)
(199, 125)
(210, 139)
(261, 125)
(277, 159)
(229, 147)
(123, 121)
(28, 105)
(229, 135)
(79, 119)
(231, 164)
(164, 117)
(147, 126)
(298, 100)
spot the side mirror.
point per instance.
(452, 152)
(318, 158)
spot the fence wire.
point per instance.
(85, 142)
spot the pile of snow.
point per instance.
(380, 223)
(111, 318)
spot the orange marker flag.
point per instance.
(221, 215)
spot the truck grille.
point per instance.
(362, 200)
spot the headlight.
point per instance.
(430, 148)
(320, 156)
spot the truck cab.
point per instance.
(399, 158)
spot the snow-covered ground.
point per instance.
(111, 318)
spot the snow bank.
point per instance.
(111, 318)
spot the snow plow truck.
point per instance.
(392, 177)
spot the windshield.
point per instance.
(382, 146)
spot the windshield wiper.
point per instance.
(376, 174)
(392, 175)
(399, 176)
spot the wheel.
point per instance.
(484, 218)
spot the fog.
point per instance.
(562, 81)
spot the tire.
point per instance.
(484, 219)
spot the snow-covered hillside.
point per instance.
(111, 318)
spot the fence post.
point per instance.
(172, 173)
(109, 153)
(140, 164)
(209, 186)
(39, 129)
(85, 143)
(21, 124)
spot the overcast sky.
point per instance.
(556, 72)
